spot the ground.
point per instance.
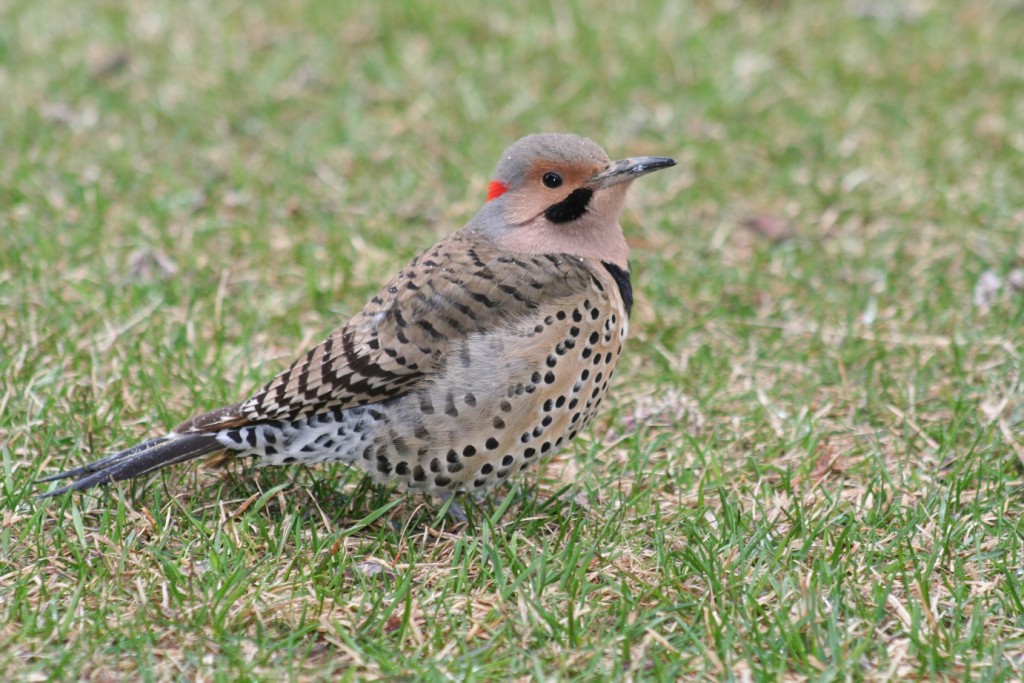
(811, 464)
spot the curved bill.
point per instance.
(628, 169)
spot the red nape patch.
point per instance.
(496, 189)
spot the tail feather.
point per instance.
(89, 468)
(135, 461)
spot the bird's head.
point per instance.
(560, 194)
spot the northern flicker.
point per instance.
(489, 351)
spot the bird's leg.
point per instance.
(567, 495)
(452, 508)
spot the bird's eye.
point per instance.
(551, 180)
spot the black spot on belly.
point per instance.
(449, 406)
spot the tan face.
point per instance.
(560, 194)
(546, 184)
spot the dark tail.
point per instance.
(135, 461)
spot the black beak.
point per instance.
(628, 169)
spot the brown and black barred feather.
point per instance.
(400, 339)
(399, 336)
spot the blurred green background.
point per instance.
(810, 467)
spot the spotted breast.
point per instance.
(489, 351)
(512, 353)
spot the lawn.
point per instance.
(810, 465)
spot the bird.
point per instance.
(486, 353)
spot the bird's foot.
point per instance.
(451, 508)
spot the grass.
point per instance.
(810, 468)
